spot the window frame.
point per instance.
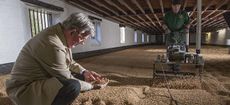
(143, 37)
(122, 34)
(135, 37)
(39, 20)
(97, 37)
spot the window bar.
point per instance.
(46, 20)
(41, 20)
(31, 27)
(45, 17)
(38, 22)
(50, 20)
(34, 23)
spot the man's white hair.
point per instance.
(79, 21)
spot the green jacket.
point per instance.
(41, 61)
(176, 22)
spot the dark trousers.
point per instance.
(68, 93)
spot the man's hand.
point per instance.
(91, 76)
(166, 29)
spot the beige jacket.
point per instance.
(34, 75)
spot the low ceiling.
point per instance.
(146, 15)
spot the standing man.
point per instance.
(42, 72)
(177, 28)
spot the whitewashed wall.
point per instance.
(14, 29)
(220, 37)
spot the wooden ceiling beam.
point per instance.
(152, 11)
(143, 12)
(203, 10)
(210, 23)
(194, 9)
(220, 5)
(134, 12)
(146, 22)
(126, 5)
(149, 13)
(155, 26)
(208, 20)
(139, 6)
(222, 25)
(191, 14)
(104, 6)
(185, 4)
(118, 7)
(113, 18)
(213, 20)
(215, 23)
(206, 8)
(84, 8)
(93, 6)
(215, 28)
(109, 9)
(162, 7)
(124, 12)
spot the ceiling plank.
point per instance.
(134, 12)
(212, 18)
(214, 25)
(118, 20)
(212, 2)
(215, 20)
(185, 4)
(118, 7)
(102, 5)
(147, 15)
(109, 9)
(191, 13)
(152, 11)
(126, 5)
(143, 12)
(84, 8)
(162, 7)
(94, 7)
(220, 5)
